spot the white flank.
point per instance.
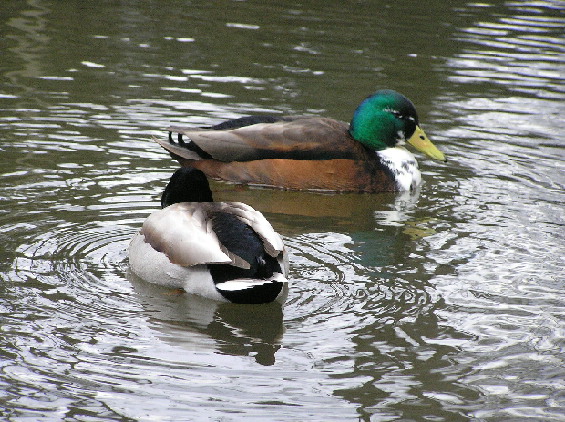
(155, 267)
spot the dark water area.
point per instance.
(442, 304)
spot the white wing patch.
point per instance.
(247, 283)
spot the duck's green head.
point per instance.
(387, 119)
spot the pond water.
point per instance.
(445, 304)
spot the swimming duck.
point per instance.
(225, 251)
(312, 153)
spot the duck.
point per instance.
(224, 251)
(312, 153)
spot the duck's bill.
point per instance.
(420, 141)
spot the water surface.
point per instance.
(443, 304)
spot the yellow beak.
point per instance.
(420, 141)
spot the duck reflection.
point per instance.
(292, 212)
(194, 322)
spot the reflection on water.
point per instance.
(443, 304)
(191, 323)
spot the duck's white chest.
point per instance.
(403, 166)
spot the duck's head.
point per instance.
(186, 185)
(387, 119)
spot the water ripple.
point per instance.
(446, 305)
(522, 52)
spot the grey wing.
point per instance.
(299, 138)
(184, 233)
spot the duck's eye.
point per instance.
(397, 114)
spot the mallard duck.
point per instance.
(225, 251)
(312, 153)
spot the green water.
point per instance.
(446, 304)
